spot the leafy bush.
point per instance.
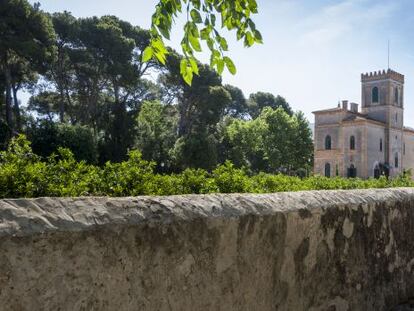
(24, 174)
(47, 137)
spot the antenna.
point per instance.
(388, 53)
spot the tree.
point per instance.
(258, 101)
(273, 142)
(238, 107)
(26, 36)
(157, 133)
(61, 69)
(235, 16)
(45, 104)
(279, 139)
(96, 79)
(47, 136)
(200, 107)
(303, 155)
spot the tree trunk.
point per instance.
(7, 76)
(119, 128)
(16, 108)
(61, 106)
(183, 121)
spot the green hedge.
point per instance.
(24, 174)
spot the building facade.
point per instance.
(367, 143)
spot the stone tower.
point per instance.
(383, 100)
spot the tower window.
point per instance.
(328, 143)
(396, 117)
(396, 160)
(381, 144)
(396, 95)
(327, 170)
(352, 143)
(404, 148)
(375, 95)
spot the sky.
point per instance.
(313, 51)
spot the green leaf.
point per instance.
(230, 65)
(183, 66)
(248, 39)
(195, 43)
(194, 65)
(258, 36)
(213, 19)
(220, 66)
(204, 33)
(196, 17)
(186, 70)
(159, 50)
(223, 44)
(147, 54)
(188, 76)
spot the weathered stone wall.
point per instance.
(327, 250)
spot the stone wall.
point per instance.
(326, 250)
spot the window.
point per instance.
(352, 143)
(327, 170)
(381, 144)
(375, 95)
(396, 117)
(336, 170)
(396, 95)
(404, 148)
(352, 173)
(328, 143)
(377, 172)
(396, 160)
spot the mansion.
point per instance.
(367, 143)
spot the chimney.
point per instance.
(345, 104)
(354, 107)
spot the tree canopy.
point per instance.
(202, 25)
(92, 90)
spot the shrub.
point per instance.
(24, 174)
(47, 136)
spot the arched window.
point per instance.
(375, 95)
(352, 143)
(352, 173)
(396, 160)
(327, 170)
(328, 142)
(381, 144)
(396, 95)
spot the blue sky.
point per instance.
(313, 51)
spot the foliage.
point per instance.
(273, 142)
(90, 94)
(201, 26)
(258, 101)
(156, 133)
(24, 174)
(47, 137)
(26, 36)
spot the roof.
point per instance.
(357, 116)
(328, 110)
(408, 129)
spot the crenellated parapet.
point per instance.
(382, 74)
